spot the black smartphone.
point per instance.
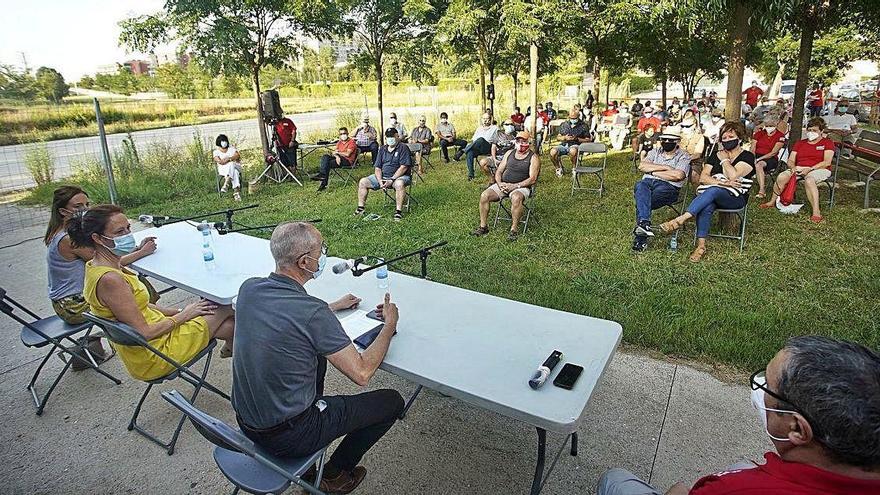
(567, 376)
(374, 315)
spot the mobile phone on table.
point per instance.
(568, 375)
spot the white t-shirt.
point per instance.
(843, 122)
(487, 133)
(527, 125)
(230, 152)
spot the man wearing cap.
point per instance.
(366, 137)
(666, 169)
(648, 119)
(392, 170)
(517, 172)
(842, 123)
(421, 139)
(572, 132)
(753, 93)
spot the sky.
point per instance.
(74, 37)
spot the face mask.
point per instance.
(669, 146)
(843, 109)
(224, 144)
(443, 121)
(123, 244)
(729, 145)
(322, 261)
(391, 141)
(343, 137)
(770, 129)
(485, 123)
(812, 136)
(509, 129)
(421, 124)
(572, 121)
(392, 120)
(758, 403)
(522, 147)
(716, 119)
(649, 133)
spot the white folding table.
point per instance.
(475, 347)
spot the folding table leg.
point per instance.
(410, 402)
(540, 476)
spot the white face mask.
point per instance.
(224, 144)
(509, 129)
(812, 135)
(343, 137)
(443, 121)
(770, 129)
(758, 403)
(393, 120)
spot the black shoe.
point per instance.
(644, 229)
(457, 156)
(513, 235)
(640, 244)
(446, 159)
(322, 186)
(398, 216)
(480, 231)
(317, 177)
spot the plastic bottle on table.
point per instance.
(382, 276)
(207, 245)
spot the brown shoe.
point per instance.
(96, 349)
(345, 482)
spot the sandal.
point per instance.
(760, 195)
(671, 226)
(817, 218)
(697, 255)
(766, 205)
(225, 351)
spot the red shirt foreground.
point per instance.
(809, 155)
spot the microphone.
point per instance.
(157, 221)
(221, 228)
(344, 266)
(544, 370)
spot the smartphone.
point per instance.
(567, 376)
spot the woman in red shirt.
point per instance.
(810, 159)
(766, 142)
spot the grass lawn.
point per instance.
(793, 278)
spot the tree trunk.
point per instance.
(264, 138)
(482, 87)
(533, 83)
(607, 87)
(597, 79)
(381, 129)
(516, 86)
(737, 61)
(803, 77)
(492, 83)
(663, 82)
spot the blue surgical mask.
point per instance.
(322, 261)
(123, 244)
(391, 141)
(573, 121)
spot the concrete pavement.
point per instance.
(648, 415)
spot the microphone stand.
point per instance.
(223, 230)
(228, 212)
(421, 253)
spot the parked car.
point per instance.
(787, 89)
(856, 98)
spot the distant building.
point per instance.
(138, 67)
(343, 48)
(108, 69)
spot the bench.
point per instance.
(865, 160)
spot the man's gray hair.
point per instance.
(291, 240)
(837, 385)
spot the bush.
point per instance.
(39, 163)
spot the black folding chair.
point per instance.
(346, 173)
(407, 192)
(505, 205)
(245, 464)
(742, 215)
(53, 331)
(122, 334)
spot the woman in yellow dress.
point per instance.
(114, 292)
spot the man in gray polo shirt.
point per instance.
(666, 169)
(279, 364)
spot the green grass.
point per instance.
(793, 278)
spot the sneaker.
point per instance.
(513, 235)
(359, 211)
(316, 177)
(223, 189)
(480, 231)
(236, 196)
(559, 172)
(640, 244)
(322, 186)
(345, 482)
(457, 156)
(644, 228)
(398, 216)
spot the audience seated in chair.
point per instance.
(423, 137)
(504, 142)
(572, 132)
(367, 138)
(766, 143)
(842, 123)
(517, 172)
(648, 119)
(621, 128)
(811, 160)
(228, 162)
(446, 136)
(818, 401)
(666, 170)
(693, 142)
(394, 122)
(393, 169)
(725, 184)
(344, 156)
(517, 118)
(540, 126)
(480, 145)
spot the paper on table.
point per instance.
(357, 324)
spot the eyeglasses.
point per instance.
(323, 251)
(758, 380)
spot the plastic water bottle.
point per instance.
(382, 276)
(673, 243)
(146, 219)
(207, 245)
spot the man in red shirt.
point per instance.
(648, 119)
(767, 141)
(344, 156)
(517, 118)
(753, 93)
(819, 402)
(817, 100)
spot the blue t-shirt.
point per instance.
(391, 160)
(280, 331)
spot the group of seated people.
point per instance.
(818, 400)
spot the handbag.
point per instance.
(787, 195)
